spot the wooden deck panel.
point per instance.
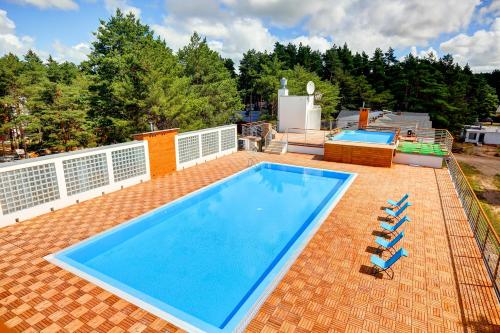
(442, 286)
(371, 155)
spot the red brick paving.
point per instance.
(441, 287)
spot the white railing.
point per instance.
(36, 186)
(196, 147)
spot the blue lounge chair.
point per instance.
(395, 214)
(393, 227)
(381, 265)
(385, 244)
(398, 204)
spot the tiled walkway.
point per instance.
(441, 287)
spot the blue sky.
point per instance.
(468, 29)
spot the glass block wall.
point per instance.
(36, 186)
(228, 139)
(128, 163)
(209, 143)
(198, 146)
(189, 148)
(85, 173)
(28, 187)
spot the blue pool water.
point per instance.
(204, 261)
(365, 136)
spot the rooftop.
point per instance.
(442, 286)
(486, 129)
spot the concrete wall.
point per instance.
(430, 161)
(492, 138)
(314, 118)
(305, 150)
(291, 112)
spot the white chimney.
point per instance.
(283, 91)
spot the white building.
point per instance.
(489, 135)
(296, 113)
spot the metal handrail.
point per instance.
(268, 137)
(380, 128)
(437, 135)
(484, 233)
(304, 130)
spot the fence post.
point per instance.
(200, 145)
(477, 220)
(61, 181)
(111, 172)
(219, 138)
(235, 139)
(495, 272)
(470, 205)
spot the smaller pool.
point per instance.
(365, 136)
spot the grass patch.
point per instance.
(468, 169)
(473, 175)
(496, 181)
(491, 216)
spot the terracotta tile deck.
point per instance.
(441, 287)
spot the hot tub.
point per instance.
(365, 147)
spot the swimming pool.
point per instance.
(206, 261)
(365, 136)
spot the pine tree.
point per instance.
(327, 93)
(210, 80)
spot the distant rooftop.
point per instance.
(482, 128)
(347, 118)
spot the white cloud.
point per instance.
(6, 24)
(9, 41)
(480, 50)
(315, 42)
(362, 24)
(195, 8)
(76, 53)
(366, 24)
(44, 4)
(175, 39)
(230, 37)
(280, 12)
(234, 26)
(430, 52)
(493, 8)
(123, 5)
(414, 51)
(244, 34)
(487, 13)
